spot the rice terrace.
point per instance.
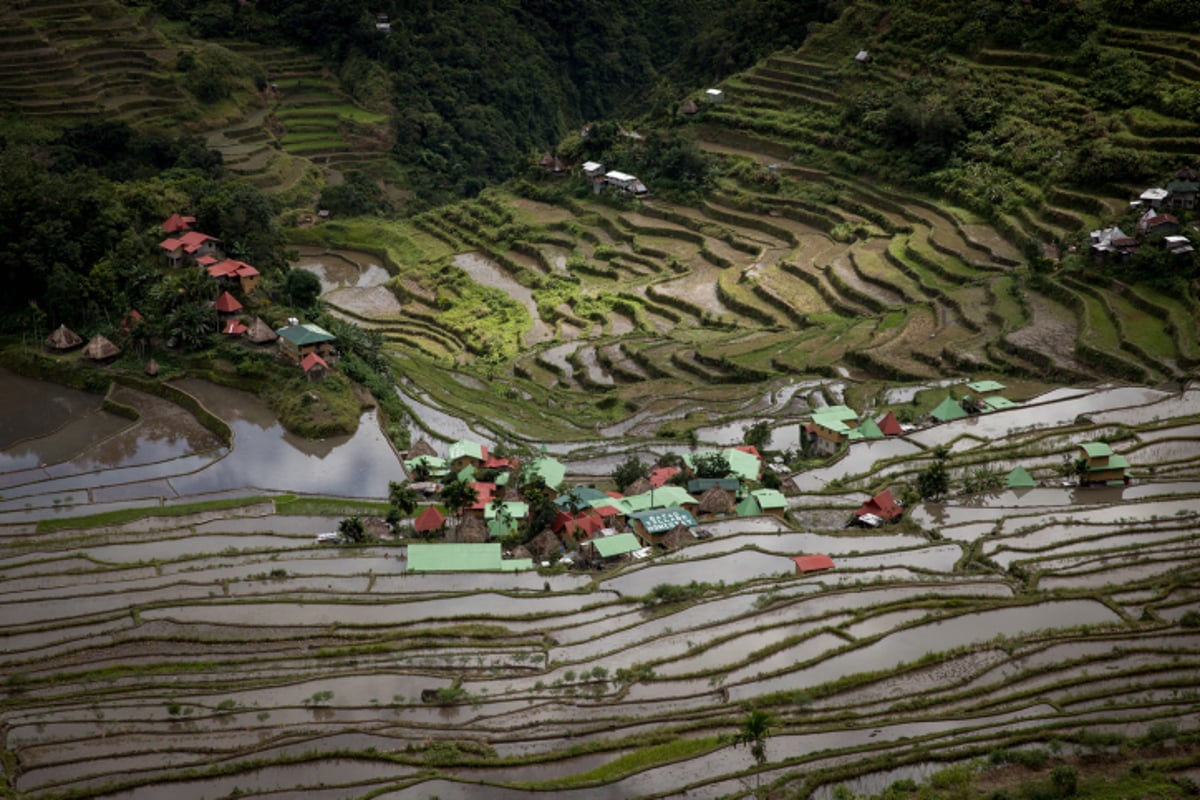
(827, 426)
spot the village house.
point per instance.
(651, 525)
(231, 271)
(177, 223)
(296, 341)
(625, 182)
(829, 429)
(1153, 222)
(1112, 243)
(1102, 465)
(191, 245)
(611, 548)
(464, 453)
(948, 410)
(1153, 197)
(879, 509)
(314, 367)
(1183, 191)
(714, 96)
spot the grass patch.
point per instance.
(124, 515)
(327, 506)
(634, 762)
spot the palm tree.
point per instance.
(754, 732)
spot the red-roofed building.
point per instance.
(813, 563)
(227, 304)
(233, 270)
(889, 425)
(1153, 222)
(314, 367)
(883, 505)
(232, 327)
(177, 223)
(429, 521)
(192, 244)
(661, 476)
(485, 492)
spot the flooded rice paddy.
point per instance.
(225, 652)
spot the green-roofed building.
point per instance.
(1103, 466)
(549, 470)
(618, 544)
(996, 403)
(443, 557)
(510, 508)
(982, 388)
(842, 412)
(662, 497)
(432, 465)
(464, 452)
(466, 474)
(869, 429)
(580, 498)
(948, 410)
(1019, 478)
(516, 564)
(771, 501)
(650, 525)
(749, 507)
(698, 486)
(742, 465)
(297, 341)
(829, 429)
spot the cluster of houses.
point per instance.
(660, 510)
(1155, 205)
(310, 347)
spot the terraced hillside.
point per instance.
(215, 652)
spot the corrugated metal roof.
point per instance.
(619, 544)
(659, 520)
(444, 557)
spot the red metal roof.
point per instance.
(890, 425)
(660, 476)
(193, 240)
(429, 520)
(170, 243)
(607, 511)
(233, 328)
(882, 505)
(227, 303)
(176, 223)
(813, 563)
(311, 360)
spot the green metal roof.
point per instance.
(837, 412)
(516, 564)
(769, 498)
(580, 497)
(435, 465)
(549, 470)
(869, 429)
(467, 448)
(467, 474)
(1096, 449)
(661, 520)
(998, 403)
(947, 410)
(514, 509)
(745, 466)
(1019, 478)
(983, 387)
(305, 334)
(698, 486)
(832, 423)
(616, 545)
(500, 526)
(661, 497)
(1116, 461)
(425, 557)
(748, 507)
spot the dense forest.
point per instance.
(478, 86)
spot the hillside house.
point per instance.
(231, 271)
(296, 341)
(770, 502)
(610, 548)
(714, 96)
(464, 453)
(948, 410)
(625, 182)
(889, 425)
(1153, 222)
(226, 305)
(1153, 197)
(62, 340)
(1182, 194)
(1178, 245)
(551, 471)
(190, 246)
(1112, 243)
(1019, 478)
(863, 57)
(177, 223)
(1102, 465)
(429, 521)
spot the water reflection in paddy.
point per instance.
(861, 457)
(732, 568)
(913, 643)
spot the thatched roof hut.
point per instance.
(715, 500)
(677, 537)
(422, 448)
(100, 349)
(470, 530)
(545, 543)
(63, 339)
(260, 332)
(689, 107)
(521, 551)
(640, 486)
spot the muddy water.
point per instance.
(31, 408)
(339, 269)
(861, 458)
(911, 644)
(731, 568)
(265, 456)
